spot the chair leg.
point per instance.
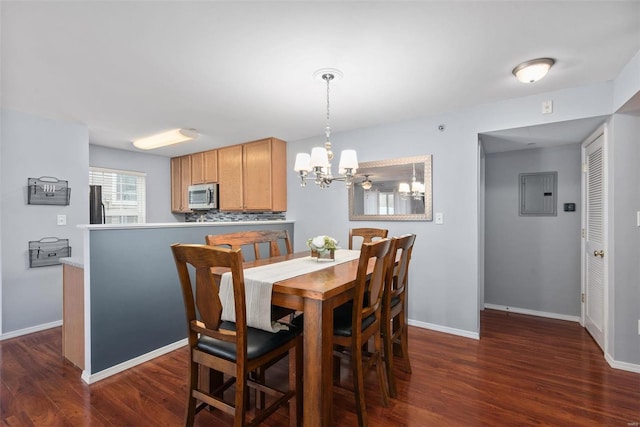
(358, 381)
(295, 383)
(404, 343)
(388, 357)
(382, 369)
(191, 401)
(240, 400)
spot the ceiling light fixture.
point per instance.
(366, 184)
(166, 138)
(534, 70)
(319, 161)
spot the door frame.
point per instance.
(602, 130)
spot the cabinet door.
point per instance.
(185, 176)
(230, 178)
(176, 185)
(210, 166)
(197, 168)
(257, 175)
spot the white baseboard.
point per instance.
(625, 366)
(533, 312)
(92, 378)
(445, 329)
(30, 330)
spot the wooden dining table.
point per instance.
(316, 294)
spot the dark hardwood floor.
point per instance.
(525, 371)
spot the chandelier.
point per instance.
(415, 190)
(319, 161)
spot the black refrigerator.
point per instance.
(96, 207)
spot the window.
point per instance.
(123, 194)
(385, 203)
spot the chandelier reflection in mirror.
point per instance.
(415, 190)
(319, 162)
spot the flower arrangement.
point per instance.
(322, 244)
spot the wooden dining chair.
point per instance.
(394, 307)
(230, 348)
(354, 323)
(367, 234)
(255, 239)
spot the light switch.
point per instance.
(638, 218)
(62, 219)
(439, 218)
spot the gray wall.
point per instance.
(533, 262)
(136, 305)
(624, 237)
(444, 289)
(33, 147)
(158, 170)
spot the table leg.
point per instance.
(318, 333)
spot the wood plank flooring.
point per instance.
(525, 371)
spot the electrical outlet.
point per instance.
(62, 220)
(439, 218)
(547, 107)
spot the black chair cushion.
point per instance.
(342, 318)
(395, 301)
(259, 342)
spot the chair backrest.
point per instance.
(397, 276)
(203, 258)
(367, 234)
(255, 239)
(370, 290)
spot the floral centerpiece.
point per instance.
(323, 247)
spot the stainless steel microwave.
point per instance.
(203, 196)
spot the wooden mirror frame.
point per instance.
(381, 169)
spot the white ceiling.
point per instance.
(238, 71)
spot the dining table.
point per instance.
(316, 294)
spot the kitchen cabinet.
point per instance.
(252, 176)
(180, 181)
(204, 167)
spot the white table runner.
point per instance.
(258, 284)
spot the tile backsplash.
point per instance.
(217, 216)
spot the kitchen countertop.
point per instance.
(73, 261)
(179, 224)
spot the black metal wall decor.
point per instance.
(48, 190)
(48, 251)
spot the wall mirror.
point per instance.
(392, 190)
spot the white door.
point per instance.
(594, 239)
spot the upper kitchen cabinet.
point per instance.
(204, 167)
(180, 181)
(252, 176)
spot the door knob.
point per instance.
(599, 253)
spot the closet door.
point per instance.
(595, 240)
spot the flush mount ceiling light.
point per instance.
(534, 70)
(319, 161)
(366, 184)
(166, 138)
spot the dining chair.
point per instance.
(367, 234)
(230, 348)
(394, 307)
(354, 323)
(255, 239)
